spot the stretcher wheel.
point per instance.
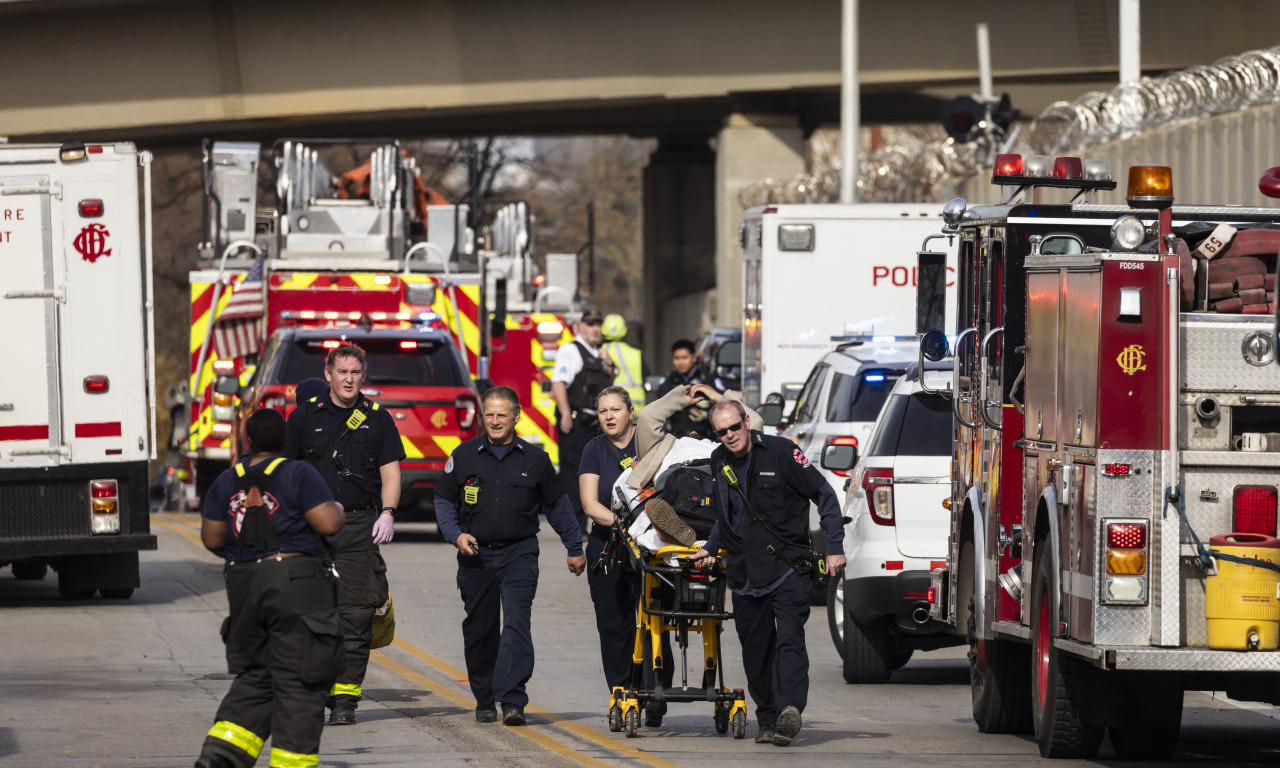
(633, 723)
(740, 725)
(722, 718)
(615, 718)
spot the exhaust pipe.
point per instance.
(920, 614)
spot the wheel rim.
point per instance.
(839, 608)
(1043, 641)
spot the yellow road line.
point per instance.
(182, 530)
(578, 729)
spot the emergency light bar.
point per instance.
(1043, 171)
(333, 319)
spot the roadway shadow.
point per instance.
(932, 672)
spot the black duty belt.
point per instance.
(275, 558)
(500, 544)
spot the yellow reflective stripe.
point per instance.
(271, 467)
(284, 759)
(410, 450)
(447, 443)
(295, 280)
(345, 689)
(239, 470)
(237, 736)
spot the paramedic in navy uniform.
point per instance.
(770, 593)
(616, 593)
(266, 515)
(487, 503)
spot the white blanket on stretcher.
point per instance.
(685, 449)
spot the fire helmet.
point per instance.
(614, 328)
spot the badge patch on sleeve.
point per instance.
(448, 465)
(800, 458)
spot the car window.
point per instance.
(806, 404)
(913, 425)
(858, 397)
(430, 363)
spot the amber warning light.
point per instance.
(1150, 186)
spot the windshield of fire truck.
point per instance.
(389, 362)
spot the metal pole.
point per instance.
(1130, 42)
(591, 248)
(984, 65)
(849, 113)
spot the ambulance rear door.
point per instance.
(30, 310)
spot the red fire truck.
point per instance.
(1117, 403)
(369, 250)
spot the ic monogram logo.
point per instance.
(438, 419)
(92, 242)
(1131, 359)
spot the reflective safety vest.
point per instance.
(630, 370)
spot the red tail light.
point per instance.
(330, 344)
(465, 408)
(841, 441)
(91, 208)
(102, 489)
(1126, 535)
(878, 485)
(1255, 510)
(408, 345)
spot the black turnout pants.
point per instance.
(771, 631)
(362, 590)
(284, 648)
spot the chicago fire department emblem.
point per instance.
(92, 242)
(800, 458)
(242, 500)
(1131, 359)
(438, 419)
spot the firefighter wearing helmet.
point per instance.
(626, 358)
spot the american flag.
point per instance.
(238, 330)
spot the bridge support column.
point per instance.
(749, 148)
(679, 243)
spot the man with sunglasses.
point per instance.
(581, 371)
(764, 485)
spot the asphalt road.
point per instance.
(136, 683)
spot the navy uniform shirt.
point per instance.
(495, 493)
(330, 422)
(290, 490)
(598, 459)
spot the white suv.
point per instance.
(897, 534)
(840, 401)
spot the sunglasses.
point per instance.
(728, 429)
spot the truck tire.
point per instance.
(868, 650)
(1060, 698)
(999, 684)
(1148, 719)
(29, 571)
(835, 613)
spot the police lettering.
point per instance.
(900, 276)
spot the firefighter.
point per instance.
(581, 371)
(627, 360)
(356, 447)
(764, 487)
(267, 515)
(487, 503)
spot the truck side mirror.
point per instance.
(934, 345)
(931, 291)
(498, 325)
(839, 457)
(771, 414)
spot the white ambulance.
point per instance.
(77, 415)
(816, 275)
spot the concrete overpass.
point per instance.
(730, 88)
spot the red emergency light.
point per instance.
(1068, 168)
(91, 208)
(1126, 535)
(1008, 165)
(539, 279)
(1115, 469)
(224, 367)
(408, 345)
(330, 344)
(96, 385)
(1255, 510)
